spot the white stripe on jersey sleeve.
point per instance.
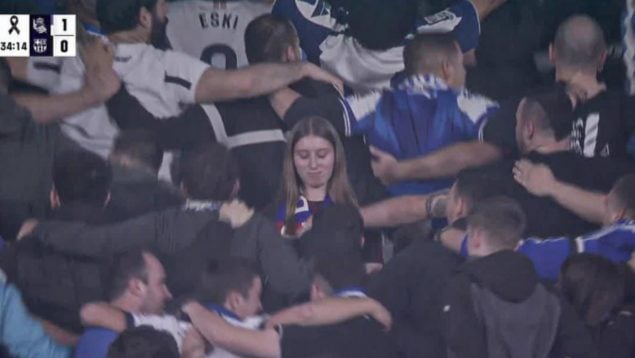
(360, 106)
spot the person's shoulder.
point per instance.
(95, 337)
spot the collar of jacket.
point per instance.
(222, 311)
(422, 84)
(201, 205)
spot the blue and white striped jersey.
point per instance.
(419, 115)
(323, 39)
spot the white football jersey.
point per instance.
(213, 31)
(162, 81)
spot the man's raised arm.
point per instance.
(257, 80)
(539, 180)
(217, 331)
(444, 163)
(101, 83)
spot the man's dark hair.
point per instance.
(501, 218)
(550, 111)
(381, 24)
(140, 146)
(267, 37)
(144, 342)
(579, 43)
(593, 285)
(80, 176)
(121, 15)
(208, 172)
(123, 268)
(339, 270)
(5, 75)
(426, 53)
(476, 184)
(224, 276)
(624, 191)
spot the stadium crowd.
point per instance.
(321, 179)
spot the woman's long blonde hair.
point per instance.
(338, 187)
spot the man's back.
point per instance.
(491, 305)
(602, 127)
(495, 307)
(213, 31)
(420, 115)
(359, 337)
(162, 81)
(55, 284)
(27, 150)
(408, 286)
(545, 217)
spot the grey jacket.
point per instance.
(182, 235)
(27, 150)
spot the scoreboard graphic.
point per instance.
(38, 35)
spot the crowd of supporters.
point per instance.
(321, 178)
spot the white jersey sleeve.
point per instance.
(44, 72)
(163, 81)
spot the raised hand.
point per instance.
(101, 80)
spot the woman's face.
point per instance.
(314, 158)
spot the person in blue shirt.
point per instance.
(616, 241)
(615, 211)
(22, 335)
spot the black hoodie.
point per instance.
(498, 298)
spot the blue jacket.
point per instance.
(418, 116)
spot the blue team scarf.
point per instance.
(222, 311)
(302, 212)
(93, 30)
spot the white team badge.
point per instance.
(39, 26)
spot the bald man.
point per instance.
(602, 126)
